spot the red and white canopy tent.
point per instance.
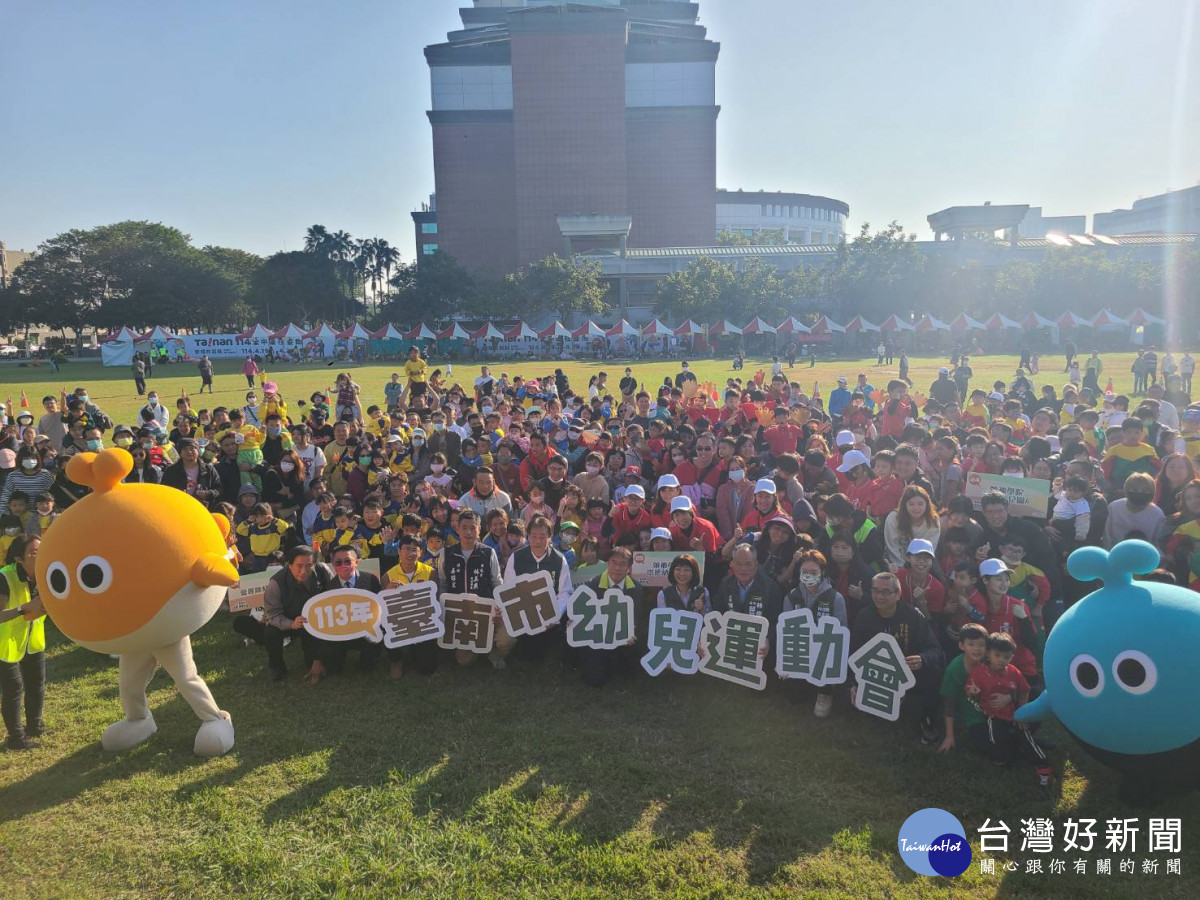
(1104, 318)
(1037, 320)
(257, 333)
(388, 332)
(724, 327)
(488, 332)
(322, 332)
(792, 325)
(998, 321)
(689, 327)
(895, 323)
(589, 330)
(354, 333)
(520, 332)
(421, 332)
(1141, 318)
(757, 326)
(1070, 320)
(622, 329)
(826, 325)
(453, 332)
(928, 323)
(963, 322)
(289, 332)
(555, 330)
(656, 328)
(859, 324)
(125, 334)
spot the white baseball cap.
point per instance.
(997, 396)
(664, 533)
(764, 486)
(681, 503)
(841, 379)
(853, 459)
(635, 490)
(666, 481)
(919, 545)
(943, 371)
(844, 437)
(991, 567)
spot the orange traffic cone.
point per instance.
(24, 401)
(1108, 388)
(816, 390)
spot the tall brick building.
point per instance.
(571, 125)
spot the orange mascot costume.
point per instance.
(134, 569)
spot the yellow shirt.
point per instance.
(422, 572)
(415, 370)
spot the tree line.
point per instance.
(144, 274)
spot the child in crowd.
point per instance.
(919, 587)
(1072, 515)
(1026, 582)
(265, 534)
(999, 689)
(38, 524)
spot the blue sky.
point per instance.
(242, 122)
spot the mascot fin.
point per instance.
(1038, 709)
(213, 569)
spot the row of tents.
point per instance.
(656, 328)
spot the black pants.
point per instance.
(423, 657)
(272, 638)
(140, 384)
(249, 381)
(333, 654)
(598, 666)
(28, 678)
(1004, 741)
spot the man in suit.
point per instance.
(345, 567)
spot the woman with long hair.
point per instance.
(684, 589)
(914, 518)
(1175, 472)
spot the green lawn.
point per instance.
(524, 782)
(113, 388)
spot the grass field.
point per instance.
(113, 388)
(523, 782)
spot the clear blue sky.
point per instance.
(242, 122)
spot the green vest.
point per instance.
(19, 636)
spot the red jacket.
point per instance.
(702, 528)
(623, 523)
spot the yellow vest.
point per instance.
(19, 636)
(423, 572)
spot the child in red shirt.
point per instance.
(782, 437)
(998, 688)
(996, 611)
(886, 488)
(918, 585)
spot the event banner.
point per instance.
(1027, 497)
(730, 646)
(651, 568)
(230, 346)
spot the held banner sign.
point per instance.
(652, 568)
(1027, 497)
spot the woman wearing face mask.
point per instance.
(734, 497)
(817, 594)
(848, 574)
(30, 477)
(1134, 515)
(250, 411)
(283, 485)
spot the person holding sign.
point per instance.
(539, 556)
(922, 652)
(345, 567)
(473, 568)
(410, 570)
(598, 666)
(287, 591)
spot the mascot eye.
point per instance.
(1135, 672)
(58, 581)
(94, 574)
(1086, 675)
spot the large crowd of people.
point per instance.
(772, 499)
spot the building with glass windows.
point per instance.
(549, 117)
(802, 218)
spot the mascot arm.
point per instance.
(1037, 710)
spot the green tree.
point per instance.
(697, 292)
(438, 288)
(563, 286)
(300, 287)
(875, 274)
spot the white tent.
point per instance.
(555, 330)
(421, 333)
(354, 333)
(895, 323)
(589, 330)
(757, 326)
(655, 328)
(999, 320)
(1037, 320)
(388, 332)
(1070, 320)
(723, 327)
(488, 332)
(158, 335)
(323, 333)
(290, 332)
(257, 333)
(963, 322)
(453, 332)
(117, 349)
(826, 325)
(520, 332)
(622, 329)
(929, 323)
(792, 325)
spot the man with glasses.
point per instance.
(287, 592)
(922, 653)
(333, 653)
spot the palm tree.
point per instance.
(341, 251)
(364, 265)
(316, 239)
(386, 256)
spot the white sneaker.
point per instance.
(824, 706)
(287, 641)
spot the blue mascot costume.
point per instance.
(1120, 673)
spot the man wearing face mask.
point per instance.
(1135, 515)
(997, 525)
(30, 477)
(277, 441)
(157, 412)
(443, 441)
(194, 476)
